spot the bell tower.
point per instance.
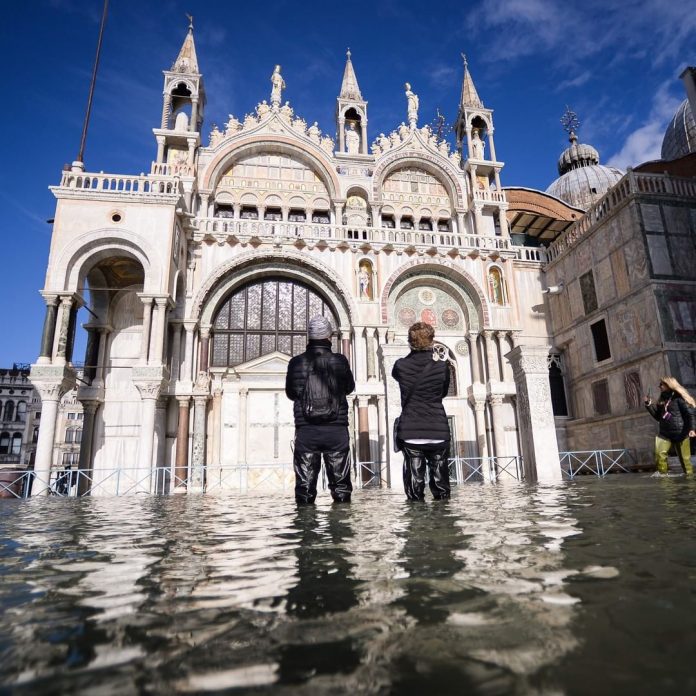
(474, 134)
(351, 114)
(182, 112)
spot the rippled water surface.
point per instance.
(576, 588)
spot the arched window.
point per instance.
(8, 415)
(16, 443)
(4, 443)
(21, 412)
(35, 435)
(265, 316)
(557, 385)
(496, 286)
(70, 435)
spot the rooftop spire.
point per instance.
(186, 61)
(349, 87)
(470, 98)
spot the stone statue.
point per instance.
(278, 86)
(314, 133)
(215, 136)
(376, 149)
(286, 112)
(262, 109)
(365, 281)
(299, 125)
(403, 131)
(352, 140)
(394, 139)
(232, 126)
(455, 158)
(250, 121)
(443, 148)
(383, 142)
(327, 144)
(477, 145)
(412, 106)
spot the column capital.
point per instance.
(148, 390)
(50, 298)
(363, 401)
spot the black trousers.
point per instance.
(313, 443)
(415, 459)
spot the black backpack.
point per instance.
(319, 400)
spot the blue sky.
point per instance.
(615, 62)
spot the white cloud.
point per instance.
(575, 81)
(644, 143)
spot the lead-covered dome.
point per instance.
(680, 136)
(583, 179)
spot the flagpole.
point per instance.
(79, 161)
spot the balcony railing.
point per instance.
(221, 229)
(127, 185)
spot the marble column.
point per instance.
(242, 433)
(535, 415)
(104, 332)
(49, 330)
(51, 393)
(147, 319)
(363, 137)
(204, 349)
(480, 418)
(187, 369)
(160, 148)
(371, 354)
(89, 408)
(474, 353)
(360, 367)
(149, 393)
(384, 444)
(363, 429)
(197, 484)
(157, 343)
(345, 349)
(61, 338)
(491, 357)
(182, 444)
(498, 429)
(215, 459)
(176, 351)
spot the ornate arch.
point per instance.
(478, 308)
(484, 117)
(312, 156)
(74, 261)
(176, 80)
(431, 163)
(254, 264)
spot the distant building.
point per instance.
(200, 278)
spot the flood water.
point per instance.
(585, 587)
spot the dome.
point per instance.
(680, 136)
(577, 155)
(582, 186)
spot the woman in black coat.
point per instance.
(423, 430)
(674, 411)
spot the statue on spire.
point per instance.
(411, 106)
(278, 85)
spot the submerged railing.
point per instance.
(70, 483)
(597, 462)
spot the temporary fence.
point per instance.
(280, 476)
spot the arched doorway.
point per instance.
(256, 329)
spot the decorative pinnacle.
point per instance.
(190, 19)
(570, 123)
(348, 54)
(466, 64)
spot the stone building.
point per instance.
(200, 278)
(201, 275)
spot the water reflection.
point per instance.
(497, 590)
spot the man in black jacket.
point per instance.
(327, 436)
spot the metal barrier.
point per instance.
(597, 462)
(280, 476)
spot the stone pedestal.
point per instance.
(535, 415)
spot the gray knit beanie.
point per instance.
(319, 327)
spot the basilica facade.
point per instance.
(200, 278)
